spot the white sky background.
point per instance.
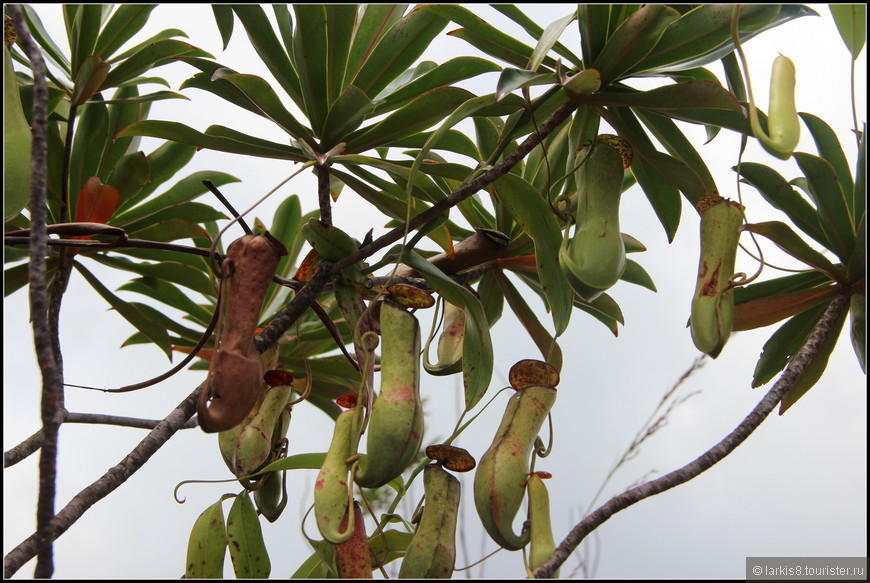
(797, 487)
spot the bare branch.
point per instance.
(107, 483)
(715, 454)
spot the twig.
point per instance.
(790, 375)
(52, 379)
(107, 483)
(34, 442)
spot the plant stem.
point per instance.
(715, 454)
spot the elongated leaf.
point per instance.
(780, 285)
(549, 39)
(597, 24)
(245, 540)
(816, 367)
(16, 144)
(130, 175)
(126, 21)
(487, 38)
(399, 48)
(154, 55)
(851, 22)
(702, 102)
(784, 343)
(223, 17)
(172, 271)
(787, 240)
(170, 295)
(700, 31)
(373, 23)
(535, 31)
(786, 13)
(185, 190)
(834, 210)
(550, 350)
(83, 25)
(311, 58)
(477, 356)
(237, 144)
(649, 168)
(678, 146)
(129, 311)
(829, 148)
(779, 193)
(534, 214)
(89, 145)
(636, 274)
(261, 94)
(54, 54)
(633, 41)
(768, 310)
(269, 48)
(449, 72)
(346, 114)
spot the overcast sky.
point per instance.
(797, 487)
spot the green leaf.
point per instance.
(675, 142)
(373, 23)
(597, 23)
(154, 55)
(604, 309)
(170, 295)
(127, 20)
(172, 271)
(535, 31)
(829, 148)
(632, 41)
(216, 138)
(223, 17)
(834, 210)
(784, 343)
(398, 49)
(780, 285)
(532, 211)
(787, 240)
(636, 274)
(53, 53)
(816, 367)
(131, 312)
(486, 37)
(270, 50)
(477, 356)
(700, 32)
(549, 39)
(269, 104)
(311, 58)
(207, 545)
(16, 145)
(89, 80)
(851, 20)
(780, 194)
(753, 21)
(89, 145)
(447, 73)
(704, 102)
(245, 540)
(83, 25)
(420, 114)
(346, 114)
(546, 343)
(658, 174)
(129, 175)
(185, 190)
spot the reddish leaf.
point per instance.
(770, 309)
(97, 202)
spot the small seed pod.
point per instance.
(451, 457)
